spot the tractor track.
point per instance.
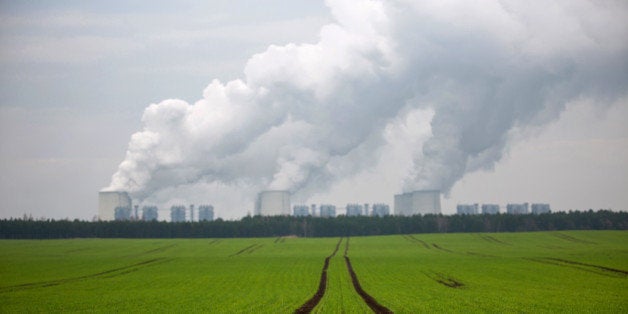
(444, 280)
(591, 268)
(310, 304)
(571, 239)
(411, 238)
(115, 272)
(368, 299)
(492, 239)
(248, 249)
(438, 247)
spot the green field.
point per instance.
(571, 271)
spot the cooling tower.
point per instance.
(272, 203)
(417, 202)
(109, 201)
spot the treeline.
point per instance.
(312, 226)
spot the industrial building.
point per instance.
(540, 208)
(380, 210)
(418, 202)
(272, 203)
(122, 213)
(517, 209)
(109, 201)
(205, 213)
(467, 209)
(490, 209)
(328, 210)
(149, 213)
(301, 210)
(177, 213)
(354, 210)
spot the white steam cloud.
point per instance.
(306, 115)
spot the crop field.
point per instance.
(567, 271)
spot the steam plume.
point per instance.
(305, 115)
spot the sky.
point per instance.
(341, 102)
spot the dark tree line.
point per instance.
(312, 226)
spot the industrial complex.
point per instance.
(118, 206)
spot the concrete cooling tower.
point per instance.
(272, 203)
(109, 201)
(417, 202)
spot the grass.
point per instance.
(578, 271)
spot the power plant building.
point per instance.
(205, 213)
(467, 209)
(418, 202)
(490, 209)
(109, 201)
(354, 210)
(272, 203)
(301, 210)
(328, 211)
(517, 209)
(149, 213)
(380, 210)
(122, 213)
(540, 208)
(177, 213)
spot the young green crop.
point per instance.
(579, 271)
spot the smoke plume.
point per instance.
(305, 115)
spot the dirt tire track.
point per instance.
(438, 247)
(481, 254)
(159, 249)
(368, 299)
(571, 239)
(492, 239)
(255, 248)
(104, 274)
(244, 249)
(278, 240)
(591, 268)
(310, 304)
(604, 268)
(444, 280)
(413, 239)
(216, 241)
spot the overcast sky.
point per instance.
(77, 76)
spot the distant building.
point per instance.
(354, 210)
(109, 201)
(467, 209)
(205, 213)
(177, 213)
(272, 203)
(380, 210)
(418, 203)
(122, 213)
(517, 209)
(149, 213)
(540, 209)
(313, 209)
(490, 209)
(328, 210)
(301, 210)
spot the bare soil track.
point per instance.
(411, 238)
(438, 247)
(248, 249)
(592, 268)
(492, 239)
(444, 280)
(310, 304)
(571, 239)
(104, 274)
(368, 299)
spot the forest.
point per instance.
(275, 226)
